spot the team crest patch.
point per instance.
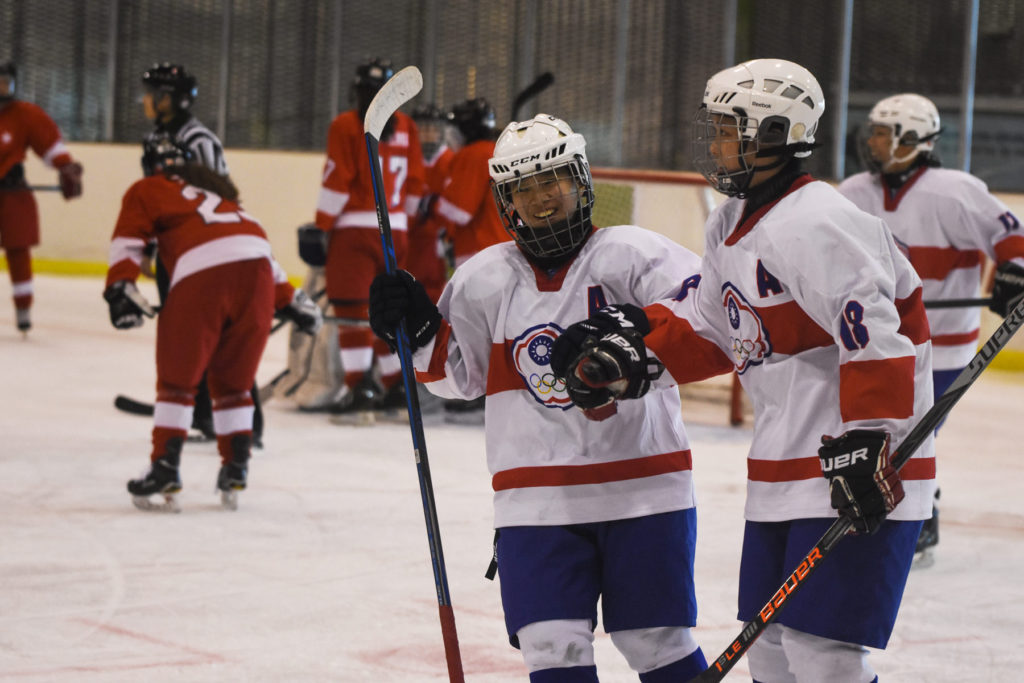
(531, 357)
(749, 338)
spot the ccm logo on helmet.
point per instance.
(524, 160)
(844, 460)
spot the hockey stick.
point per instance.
(130, 405)
(32, 188)
(398, 90)
(957, 303)
(539, 85)
(925, 426)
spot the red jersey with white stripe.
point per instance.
(812, 303)
(949, 222)
(346, 194)
(24, 125)
(195, 229)
(550, 464)
(467, 205)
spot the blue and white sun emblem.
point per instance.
(540, 350)
(734, 314)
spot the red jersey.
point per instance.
(24, 125)
(466, 203)
(438, 169)
(195, 229)
(346, 195)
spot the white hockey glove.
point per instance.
(127, 305)
(304, 312)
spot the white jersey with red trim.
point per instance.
(550, 464)
(821, 315)
(949, 222)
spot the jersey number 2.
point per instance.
(208, 209)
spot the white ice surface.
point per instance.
(323, 574)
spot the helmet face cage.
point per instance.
(371, 76)
(173, 80)
(10, 71)
(431, 122)
(709, 128)
(550, 239)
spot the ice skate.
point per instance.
(24, 318)
(161, 479)
(924, 554)
(230, 480)
(355, 406)
(233, 476)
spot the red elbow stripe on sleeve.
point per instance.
(1009, 248)
(936, 263)
(125, 269)
(877, 389)
(598, 473)
(435, 370)
(799, 469)
(501, 373)
(688, 356)
(792, 330)
(913, 318)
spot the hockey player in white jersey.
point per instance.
(948, 222)
(583, 510)
(810, 301)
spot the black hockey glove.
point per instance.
(1007, 289)
(864, 485)
(612, 367)
(127, 305)
(398, 295)
(570, 343)
(304, 312)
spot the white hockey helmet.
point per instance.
(776, 105)
(914, 122)
(525, 150)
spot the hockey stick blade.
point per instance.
(539, 85)
(130, 405)
(813, 559)
(957, 303)
(398, 90)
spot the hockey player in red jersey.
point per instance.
(466, 205)
(24, 125)
(347, 213)
(224, 290)
(583, 510)
(427, 257)
(949, 223)
(809, 299)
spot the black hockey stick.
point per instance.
(927, 424)
(398, 90)
(130, 405)
(539, 85)
(957, 303)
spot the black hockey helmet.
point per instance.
(474, 119)
(372, 75)
(11, 71)
(428, 112)
(161, 151)
(174, 80)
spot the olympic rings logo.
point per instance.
(546, 383)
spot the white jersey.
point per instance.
(949, 222)
(820, 314)
(550, 464)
